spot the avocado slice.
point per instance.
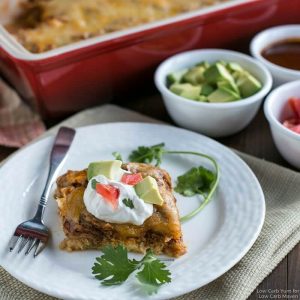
(147, 189)
(186, 90)
(204, 64)
(248, 84)
(194, 75)
(236, 75)
(202, 98)
(175, 77)
(109, 168)
(222, 95)
(228, 85)
(207, 89)
(217, 72)
(234, 67)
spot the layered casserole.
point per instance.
(160, 231)
(48, 24)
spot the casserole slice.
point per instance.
(161, 232)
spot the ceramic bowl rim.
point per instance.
(159, 78)
(273, 121)
(256, 51)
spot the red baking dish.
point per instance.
(93, 71)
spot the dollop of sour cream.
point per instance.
(102, 210)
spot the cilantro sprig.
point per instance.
(128, 202)
(153, 273)
(94, 183)
(207, 182)
(114, 267)
(146, 155)
(198, 180)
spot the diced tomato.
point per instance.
(292, 124)
(295, 106)
(132, 179)
(296, 128)
(109, 193)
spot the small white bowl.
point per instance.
(213, 119)
(266, 38)
(286, 141)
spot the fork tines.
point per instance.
(24, 240)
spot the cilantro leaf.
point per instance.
(146, 155)
(153, 273)
(93, 184)
(117, 156)
(113, 267)
(195, 181)
(128, 202)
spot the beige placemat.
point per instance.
(281, 231)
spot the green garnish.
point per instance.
(206, 180)
(93, 183)
(195, 181)
(153, 273)
(117, 156)
(114, 267)
(128, 202)
(213, 183)
(147, 154)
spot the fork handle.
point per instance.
(62, 143)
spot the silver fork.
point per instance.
(33, 231)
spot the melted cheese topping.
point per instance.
(48, 24)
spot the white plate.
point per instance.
(216, 239)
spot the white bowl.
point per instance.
(266, 38)
(286, 141)
(213, 119)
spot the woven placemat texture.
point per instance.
(280, 233)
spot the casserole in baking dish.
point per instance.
(95, 70)
(46, 24)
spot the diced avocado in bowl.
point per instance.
(175, 77)
(222, 95)
(194, 75)
(217, 72)
(220, 81)
(207, 89)
(186, 90)
(248, 84)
